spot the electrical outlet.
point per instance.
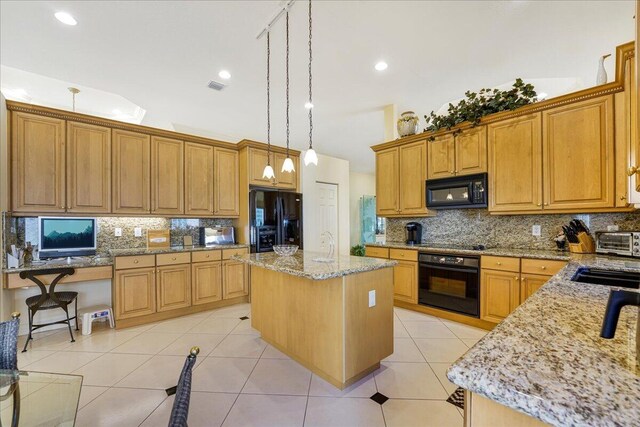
(612, 228)
(137, 232)
(536, 230)
(118, 232)
(372, 298)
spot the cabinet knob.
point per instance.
(173, 259)
(207, 256)
(538, 204)
(543, 267)
(452, 172)
(546, 204)
(516, 278)
(622, 197)
(135, 261)
(633, 170)
(499, 263)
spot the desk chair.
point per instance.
(9, 361)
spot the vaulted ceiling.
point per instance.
(159, 56)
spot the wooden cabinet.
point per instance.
(257, 162)
(463, 154)
(235, 281)
(135, 292)
(38, 163)
(286, 179)
(167, 174)
(578, 152)
(88, 154)
(499, 294)
(400, 177)
(226, 189)
(374, 252)
(515, 164)
(173, 287)
(405, 281)
(442, 157)
(529, 283)
(131, 160)
(206, 282)
(387, 192)
(412, 176)
(198, 179)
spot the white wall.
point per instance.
(330, 170)
(360, 184)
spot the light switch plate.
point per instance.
(137, 232)
(372, 298)
(118, 232)
(536, 230)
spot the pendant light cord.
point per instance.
(268, 99)
(310, 98)
(287, 80)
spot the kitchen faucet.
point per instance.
(617, 300)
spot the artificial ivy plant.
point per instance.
(485, 102)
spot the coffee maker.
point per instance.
(413, 233)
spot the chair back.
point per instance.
(180, 410)
(9, 342)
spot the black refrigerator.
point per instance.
(276, 219)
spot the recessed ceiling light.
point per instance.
(65, 18)
(308, 105)
(224, 74)
(381, 66)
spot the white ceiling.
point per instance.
(160, 56)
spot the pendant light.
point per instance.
(268, 170)
(287, 166)
(310, 156)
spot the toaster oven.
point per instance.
(626, 243)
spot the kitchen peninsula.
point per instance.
(335, 318)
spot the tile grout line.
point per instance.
(306, 405)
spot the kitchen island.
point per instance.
(548, 361)
(335, 318)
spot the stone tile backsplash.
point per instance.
(19, 230)
(475, 226)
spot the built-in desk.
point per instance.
(87, 269)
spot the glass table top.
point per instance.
(45, 399)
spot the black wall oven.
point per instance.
(468, 191)
(450, 282)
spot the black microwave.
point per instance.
(459, 192)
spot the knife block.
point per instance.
(585, 244)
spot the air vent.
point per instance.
(216, 85)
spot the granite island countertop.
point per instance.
(547, 358)
(170, 249)
(306, 264)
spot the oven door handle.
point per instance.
(447, 268)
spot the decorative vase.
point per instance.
(601, 78)
(408, 124)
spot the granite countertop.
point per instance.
(304, 264)
(194, 248)
(508, 252)
(76, 262)
(547, 358)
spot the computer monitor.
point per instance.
(65, 236)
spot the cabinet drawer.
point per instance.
(376, 252)
(403, 254)
(228, 253)
(542, 266)
(137, 261)
(501, 263)
(178, 258)
(204, 256)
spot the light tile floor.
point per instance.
(239, 380)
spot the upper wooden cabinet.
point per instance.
(167, 176)
(515, 164)
(38, 163)
(387, 191)
(258, 161)
(578, 155)
(88, 168)
(226, 189)
(400, 180)
(198, 179)
(463, 154)
(131, 172)
(286, 179)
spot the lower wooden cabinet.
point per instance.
(206, 282)
(173, 287)
(405, 281)
(135, 292)
(499, 294)
(529, 283)
(235, 281)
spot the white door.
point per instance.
(328, 215)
